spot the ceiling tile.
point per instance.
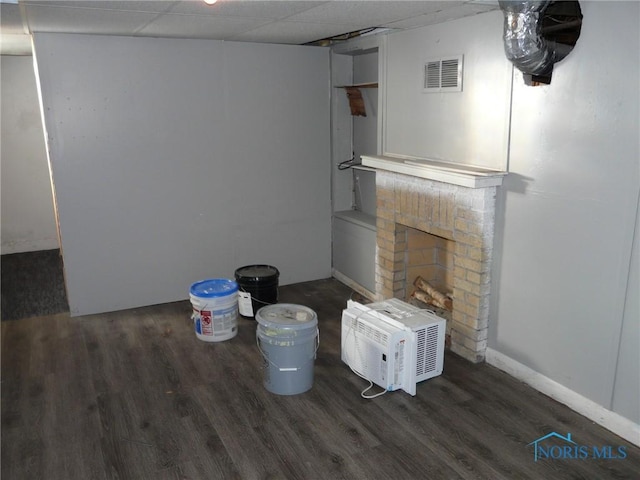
(153, 6)
(356, 13)
(243, 8)
(194, 26)
(272, 21)
(85, 20)
(444, 15)
(293, 33)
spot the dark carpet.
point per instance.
(32, 285)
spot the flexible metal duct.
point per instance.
(523, 42)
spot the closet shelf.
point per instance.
(360, 85)
(356, 103)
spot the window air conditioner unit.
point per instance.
(392, 343)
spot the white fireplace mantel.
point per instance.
(454, 173)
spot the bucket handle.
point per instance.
(254, 299)
(288, 369)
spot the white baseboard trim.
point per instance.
(612, 421)
(353, 285)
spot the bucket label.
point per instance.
(215, 322)
(244, 304)
(206, 322)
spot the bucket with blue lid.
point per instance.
(215, 309)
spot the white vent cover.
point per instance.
(442, 75)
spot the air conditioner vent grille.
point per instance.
(376, 335)
(431, 355)
(420, 352)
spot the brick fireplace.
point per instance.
(457, 208)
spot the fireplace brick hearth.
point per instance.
(462, 214)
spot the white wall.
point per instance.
(176, 160)
(341, 132)
(569, 207)
(354, 237)
(365, 131)
(468, 127)
(626, 388)
(353, 61)
(565, 289)
(28, 220)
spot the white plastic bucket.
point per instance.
(215, 309)
(287, 336)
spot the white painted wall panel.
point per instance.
(365, 129)
(28, 220)
(469, 127)
(568, 211)
(341, 131)
(177, 160)
(355, 249)
(626, 391)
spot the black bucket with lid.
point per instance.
(261, 281)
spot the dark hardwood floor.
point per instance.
(135, 395)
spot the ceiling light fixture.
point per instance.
(209, 2)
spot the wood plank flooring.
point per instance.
(135, 395)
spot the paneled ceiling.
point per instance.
(284, 22)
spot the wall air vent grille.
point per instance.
(442, 75)
(432, 75)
